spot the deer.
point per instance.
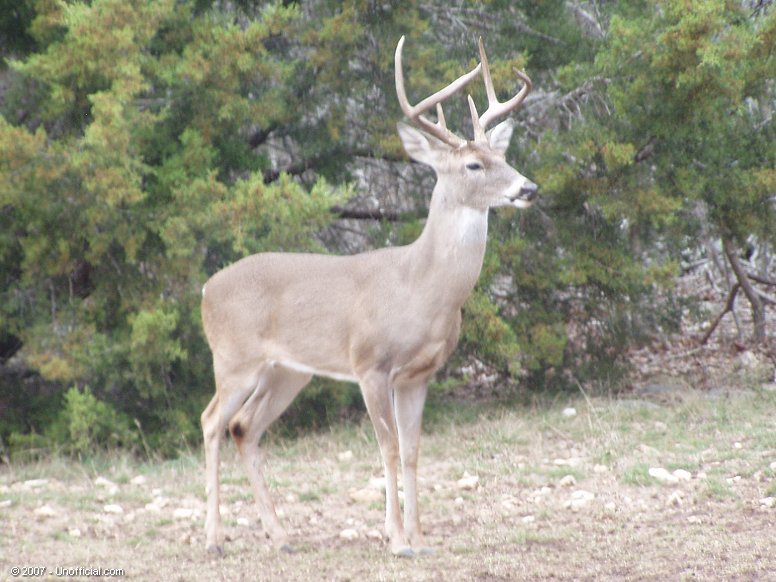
(386, 319)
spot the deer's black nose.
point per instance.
(529, 191)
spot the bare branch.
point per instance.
(363, 214)
(758, 314)
(729, 304)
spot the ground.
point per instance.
(667, 484)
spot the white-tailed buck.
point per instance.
(386, 319)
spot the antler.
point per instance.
(495, 108)
(415, 113)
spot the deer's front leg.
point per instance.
(378, 397)
(410, 399)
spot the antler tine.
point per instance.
(496, 109)
(414, 113)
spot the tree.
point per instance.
(132, 178)
(144, 145)
(694, 83)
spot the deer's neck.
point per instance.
(450, 250)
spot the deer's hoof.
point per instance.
(216, 550)
(403, 552)
(287, 549)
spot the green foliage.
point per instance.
(697, 88)
(84, 425)
(321, 404)
(143, 147)
(485, 333)
(131, 180)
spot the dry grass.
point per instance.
(612, 521)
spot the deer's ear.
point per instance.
(419, 146)
(499, 136)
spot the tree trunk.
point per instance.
(758, 312)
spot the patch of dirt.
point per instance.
(558, 496)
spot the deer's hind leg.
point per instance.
(276, 388)
(233, 386)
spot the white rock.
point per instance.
(374, 534)
(243, 521)
(103, 482)
(748, 359)
(583, 495)
(139, 480)
(682, 475)
(508, 505)
(366, 495)
(113, 508)
(74, 532)
(567, 481)
(183, 513)
(345, 456)
(600, 469)
(349, 534)
(569, 412)
(45, 511)
(768, 501)
(738, 445)
(579, 499)
(468, 482)
(35, 483)
(675, 499)
(6, 503)
(570, 462)
(458, 501)
(528, 519)
(662, 474)
(772, 466)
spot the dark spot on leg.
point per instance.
(237, 431)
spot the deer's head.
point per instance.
(474, 172)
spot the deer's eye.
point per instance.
(474, 166)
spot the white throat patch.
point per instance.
(472, 225)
